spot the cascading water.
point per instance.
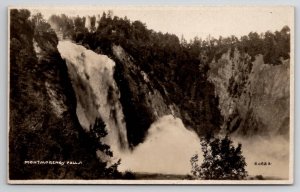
(96, 91)
(168, 146)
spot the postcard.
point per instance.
(151, 95)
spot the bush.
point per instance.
(222, 161)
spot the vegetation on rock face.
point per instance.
(173, 69)
(177, 68)
(222, 160)
(43, 125)
(273, 46)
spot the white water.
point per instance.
(169, 145)
(97, 94)
(168, 148)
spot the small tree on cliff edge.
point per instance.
(222, 161)
(97, 133)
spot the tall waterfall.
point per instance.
(96, 91)
(168, 146)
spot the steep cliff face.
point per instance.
(152, 97)
(156, 74)
(43, 125)
(254, 97)
(270, 97)
(254, 100)
(147, 97)
(142, 102)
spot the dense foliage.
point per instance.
(175, 71)
(136, 38)
(43, 125)
(222, 160)
(273, 46)
(177, 68)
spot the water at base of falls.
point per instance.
(167, 149)
(168, 146)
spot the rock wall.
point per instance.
(254, 97)
(142, 102)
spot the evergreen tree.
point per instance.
(97, 133)
(222, 161)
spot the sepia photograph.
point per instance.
(150, 95)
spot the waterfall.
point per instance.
(96, 91)
(168, 146)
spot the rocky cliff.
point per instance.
(142, 102)
(140, 84)
(212, 84)
(254, 97)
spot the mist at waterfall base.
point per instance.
(273, 149)
(167, 149)
(168, 145)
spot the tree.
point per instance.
(222, 161)
(97, 133)
(40, 25)
(110, 14)
(183, 41)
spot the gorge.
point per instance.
(156, 95)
